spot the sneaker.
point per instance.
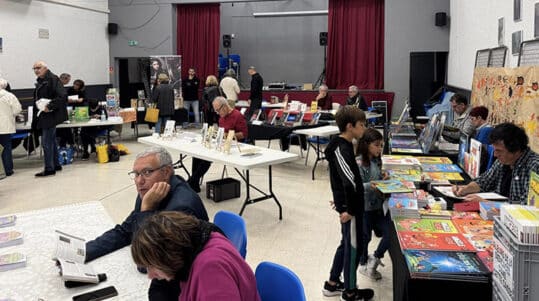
(333, 290)
(357, 294)
(369, 269)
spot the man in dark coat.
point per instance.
(50, 96)
(255, 98)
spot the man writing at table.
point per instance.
(229, 119)
(158, 190)
(510, 174)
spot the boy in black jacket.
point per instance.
(348, 198)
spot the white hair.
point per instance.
(353, 88)
(3, 84)
(220, 100)
(160, 152)
(323, 86)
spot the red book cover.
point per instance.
(434, 241)
(465, 215)
(466, 206)
(474, 226)
(487, 259)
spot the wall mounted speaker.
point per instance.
(112, 28)
(440, 19)
(227, 41)
(323, 38)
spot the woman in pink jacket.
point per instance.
(177, 247)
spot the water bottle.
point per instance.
(103, 117)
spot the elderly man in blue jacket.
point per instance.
(158, 190)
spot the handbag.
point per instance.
(102, 153)
(152, 115)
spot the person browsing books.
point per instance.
(509, 175)
(462, 124)
(478, 116)
(349, 202)
(195, 256)
(158, 190)
(369, 161)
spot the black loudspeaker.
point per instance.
(440, 19)
(112, 28)
(323, 39)
(227, 41)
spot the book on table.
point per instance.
(448, 192)
(400, 162)
(533, 191)
(489, 209)
(7, 221)
(12, 261)
(70, 256)
(393, 186)
(445, 265)
(434, 160)
(434, 241)
(440, 168)
(474, 226)
(10, 238)
(435, 213)
(425, 225)
(441, 176)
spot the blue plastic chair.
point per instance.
(277, 283)
(234, 228)
(490, 150)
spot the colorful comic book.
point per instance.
(474, 226)
(10, 238)
(441, 168)
(434, 160)
(12, 261)
(465, 215)
(400, 162)
(481, 242)
(533, 191)
(425, 225)
(434, 241)
(400, 150)
(441, 176)
(446, 262)
(435, 213)
(410, 175)
(393, 186)
(487, 260)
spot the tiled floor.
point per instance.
(304, 241)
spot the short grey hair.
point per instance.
(164, 157)
(251, 68)
(3, 84)
(220, 100)
(325, 87)
(353, 88)
(230, 72)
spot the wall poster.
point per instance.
(511, 95)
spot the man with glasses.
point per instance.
(462, 123)
(158, 190)
(51, 111)
(229, 119)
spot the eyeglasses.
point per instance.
(36, 68)
(220, 108)
(145, 173)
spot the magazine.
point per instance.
(434, 241)
(425, 225)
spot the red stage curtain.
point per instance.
(355, 44)
(198, 38)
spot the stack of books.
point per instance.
(403, 205)
(400, 162)
(488, 210)
(13, 260)
(10, 238)
(522, 221)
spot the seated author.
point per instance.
(158, 190)
(229, 119)
(509, 175)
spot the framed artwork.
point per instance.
(517, 6)
(536, 22)
(516, 40)
(501, 31)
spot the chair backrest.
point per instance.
(276, 283)
(234, 228)
(490, 150)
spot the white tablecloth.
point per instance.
(40, 280)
